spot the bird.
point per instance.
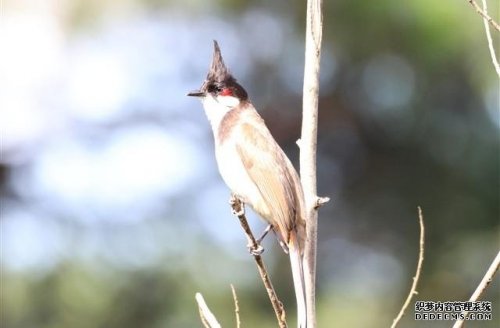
(254, 167)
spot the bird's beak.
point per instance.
(196, 93)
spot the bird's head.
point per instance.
(220, 86)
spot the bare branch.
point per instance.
(320, 201)
(236, 307)
(278, 308)
(484, 14)
(308, 141)
(487, 279)
(413, 290)
(207, 317)
(490, 41)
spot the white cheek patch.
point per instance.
(215, 110)
(228, 101)
(217, 107)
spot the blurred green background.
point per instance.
(112, 210)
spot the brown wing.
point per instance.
(275, 178)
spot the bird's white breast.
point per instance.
(235, 174)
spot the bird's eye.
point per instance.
(213, 88)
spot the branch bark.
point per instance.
(207, 317)
(255, 248)
(413, 289)
(236, 307)
(490, 41)
(487, 279)
(308, 141)
(485, 15)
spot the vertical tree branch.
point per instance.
(236, 307)
(314, 26)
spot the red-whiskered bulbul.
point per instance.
(254, 166)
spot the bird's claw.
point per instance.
(233, 200)
(255, 249)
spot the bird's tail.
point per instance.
(295, 254)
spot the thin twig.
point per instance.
(236, 307)
(308, 142)
(320, 201)
(490, 41)
(413, 290)
(207, 317)
(485, 15)
(487, 279)
(279, 310)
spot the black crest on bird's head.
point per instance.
(218, 71)
(219, 79)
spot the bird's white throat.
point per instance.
(216, 107)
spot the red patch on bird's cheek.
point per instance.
(226, 92)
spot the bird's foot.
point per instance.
(264, 234)
(255, 249)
